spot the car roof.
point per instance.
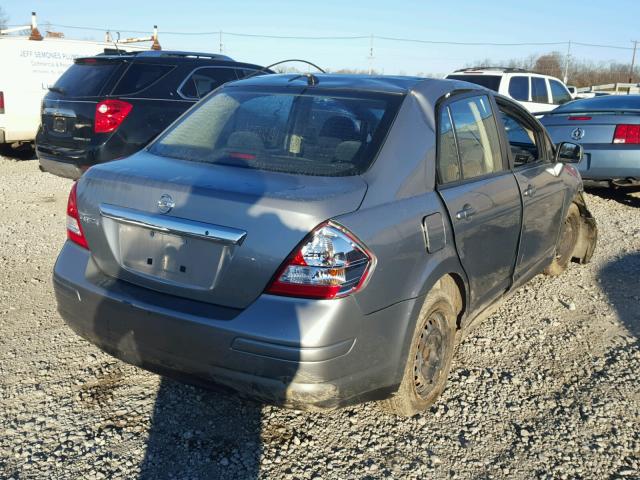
(337, 81)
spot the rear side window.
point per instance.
(491, 82)
(85, 79)
(448, 166)
(327, 134)
(539, 90)
(559, 93)
(477, 136)
(519, 88)
(203, 80)
(140, 76)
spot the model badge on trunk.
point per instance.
(166, 203)
(577, 134)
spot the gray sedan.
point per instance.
(315, 241)
(608, 128)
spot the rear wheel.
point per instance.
(430, 356)
(567, 242)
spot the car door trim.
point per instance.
(173, 225)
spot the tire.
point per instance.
(430, 354)
(566, 244)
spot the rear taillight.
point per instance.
(1, 102)
(74, 229)
(110, 114)
(579, 118)
(330, 263)
(629, 134)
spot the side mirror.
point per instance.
(567, 152)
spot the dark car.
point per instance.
(110, 106)
(608, 128)
(319, 240)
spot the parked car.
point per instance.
(573, 90)
(608, 128)
(110, 106)
(537, 93)
(310, 241)
(29, 67)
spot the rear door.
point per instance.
(481, 195)
(541, 187)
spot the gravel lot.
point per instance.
(547, 387)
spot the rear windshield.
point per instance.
(84, 79)
(309, 134)
(604, 103)
(489, 81)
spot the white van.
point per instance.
(27, 69)
(537, 93)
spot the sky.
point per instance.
(461, 21)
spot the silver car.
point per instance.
(608, 128)
(315, 241)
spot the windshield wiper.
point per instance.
(59, 90)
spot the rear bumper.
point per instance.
(610, 162)
(289, 352)
(58, 167)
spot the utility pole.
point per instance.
(220, 38)
(633, 61)
(566, 63)
(371, 55)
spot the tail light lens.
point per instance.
(330, 263)
(1, 102)
(627, 134)
(110, 114)
(74, 229)
(579, 118)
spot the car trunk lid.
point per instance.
(585, 128)
(225, 230)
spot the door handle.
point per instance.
(466, 213)
(530, 191)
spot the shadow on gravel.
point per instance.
(619, 280)
(629, 196)
(201, 434)
(24, 152)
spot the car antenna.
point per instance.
(311, 78)
(263, 69)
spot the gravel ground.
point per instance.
(547, 387)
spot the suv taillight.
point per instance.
(629, 134)
(74, 229)
(110, 114)
(329, 263)
(1, 102)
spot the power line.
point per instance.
(353, 37)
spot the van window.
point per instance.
(204, 80)
(448, 166)
(539, 90)
(492, 82)
(477, 135)
(559, 93)
(140, 76)
(85, 79)
(519, 88)
(329, 134)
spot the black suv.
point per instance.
(111, 105)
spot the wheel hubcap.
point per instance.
(427, 367)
